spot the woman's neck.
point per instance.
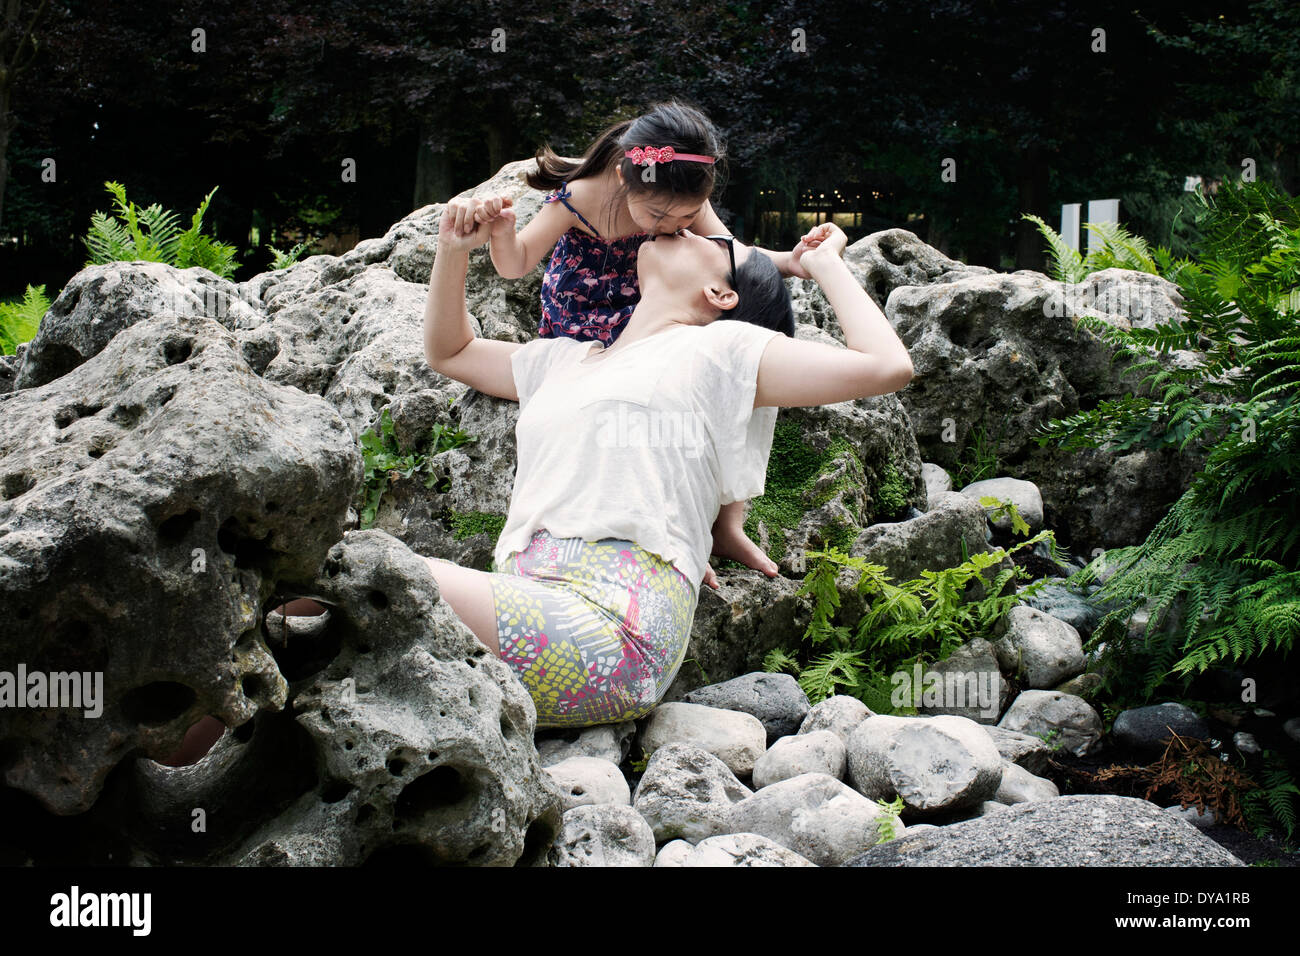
(654, 312)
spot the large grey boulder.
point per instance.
(818, 752)
(933, 764)
(686, 793)
(100, 301)
(840, 714)
(1069, 721)
(1077, 830)
(152, 498)
(1009, 345)
(1150, 728)
(813, 814)
(1039, 648)
(603, 836)
(419, 731)
(740, 849)
(776, 700)
(737, 739)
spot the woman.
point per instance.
(627, 453)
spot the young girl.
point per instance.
(644, 177)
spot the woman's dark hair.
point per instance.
(764, 298)
(674, 124)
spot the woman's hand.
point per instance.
(821, 244)
(459, 229)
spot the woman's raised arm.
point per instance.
(450, 345)
(875, 361)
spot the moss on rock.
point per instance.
(467, 524)
(794, 472)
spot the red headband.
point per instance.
(649, 155)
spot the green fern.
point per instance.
(1276, 800)
(1119, 249)
(919, 620)
(1064, 260)
(1220, 564)
(153, 234)
(19, 321)
(283, 260)
(887, 826)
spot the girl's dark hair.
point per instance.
(674, 124)
(764, 298)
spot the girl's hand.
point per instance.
(498, 212)
(820, 244)
(458, 230)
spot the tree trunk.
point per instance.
(5, 128)
(500, 136)
(432, 173)
(1033, 181)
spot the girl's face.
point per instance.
(663, 214)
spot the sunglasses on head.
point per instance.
(731, 253)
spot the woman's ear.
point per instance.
(721, 297)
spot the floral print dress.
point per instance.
(590, 286)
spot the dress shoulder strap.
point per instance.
(564, 194)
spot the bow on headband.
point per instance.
(649, 155)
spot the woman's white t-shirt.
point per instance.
(644, 445)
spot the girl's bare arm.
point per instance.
(515, 254)
(707, 223)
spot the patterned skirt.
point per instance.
(595, 630)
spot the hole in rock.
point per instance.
(252, 685)
(15, 484)
(882, 291)
(364, 813)
(176, 351)
(396, 766)
(66, 416)
(158, 702)
(249, 552)
(126, 416)
(94, 451)
(537, 840)
(175, 528)
(199, 739)
(57, 361)
(300, 656)
(272, 507)
(479, 852)
(24, 612)
(244, 732)
(440, 787)
(433, 755)
(378, 600)
(404, 855)
(335, 791)
(891, 254)
(348, 745)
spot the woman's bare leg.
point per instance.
(469, 592)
